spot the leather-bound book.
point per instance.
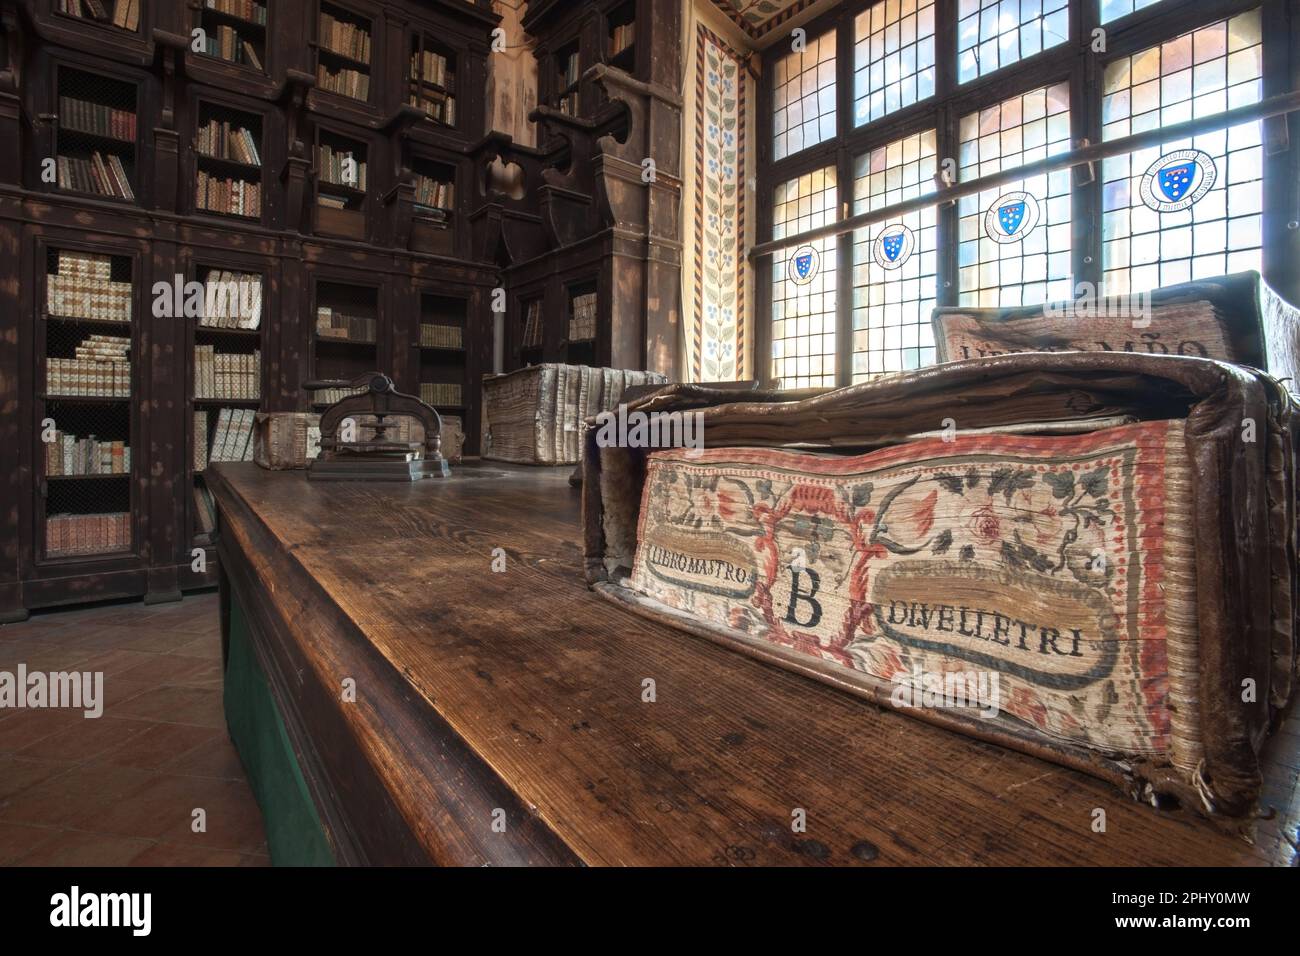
(1235, 318)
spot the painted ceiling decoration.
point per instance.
(760, 17)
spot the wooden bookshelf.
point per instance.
(118, 14)
(163, 93)
(97, 132)
(434, 219)
(620, 37)
(228, 178)
(441, 347)
(581, 311)
(233, 30)
(345, 336)
(86, 406)
(431, 79)
(342, 179)
(344, 46)
(568, 74)
(225, 380)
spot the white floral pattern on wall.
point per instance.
(719, 341)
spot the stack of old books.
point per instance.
(1087, 552)
(534, 415)
(100, 367)
(83, 288)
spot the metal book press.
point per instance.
(382, 458)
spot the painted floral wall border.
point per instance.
(718, 346)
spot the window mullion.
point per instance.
(945, 56)
(1085, 118)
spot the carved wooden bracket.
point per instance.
(292, 99)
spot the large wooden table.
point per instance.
(522, 692)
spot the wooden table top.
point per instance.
(526, 684)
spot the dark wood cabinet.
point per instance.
(593, 216)
(243, 108)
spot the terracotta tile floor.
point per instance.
(121, 789)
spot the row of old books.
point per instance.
(87, 534)
(225, 43)
(69, 455)
(582, 324)
(231, 300)
(126, 13)
(83, 116)
(333, 324)
(533, 325)
(340, 167)
(345, 82)
(102, 174)
(236, 197)
(432, 192)
(244, 9)
(441, 336)
(101, 367)
(440, 393)
(83, 288)
(222, 139)
(622, 37)
(232, 375)
(232, 438)
(432, 68)
(438, 105)
(344, 38)
(88, 378)
(328, 396)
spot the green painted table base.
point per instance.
(293, 828)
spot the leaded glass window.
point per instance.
(804, 292)
(987, 87)
(893, 57)
(992, 34)
(1014, 240)
(803, 99)
(894, 262)
(1188, 208)
(1114, 9)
